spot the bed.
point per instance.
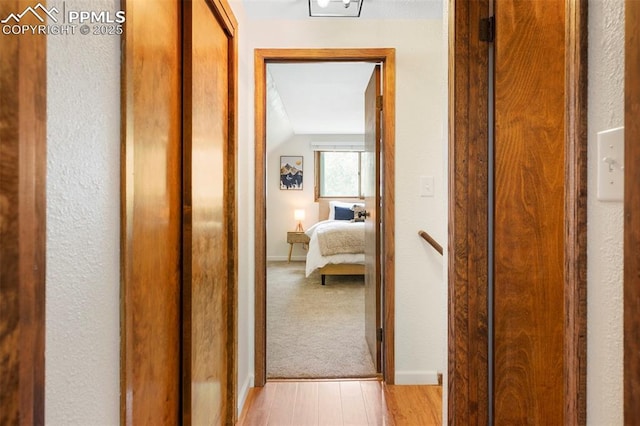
(336, 245)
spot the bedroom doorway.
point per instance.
(383, 294)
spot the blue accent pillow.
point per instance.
(343, 213)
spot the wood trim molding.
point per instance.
(230, 24)
(261, 58)
(468, 215)
(23, 164)
(632, 215)
(575, 237)
(260, 301)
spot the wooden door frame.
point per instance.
(387, 58)
(631, 216)
(23, 169)
(468, 398)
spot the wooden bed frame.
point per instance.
(340, 268)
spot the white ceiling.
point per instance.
(328, 98)
(371, 9)
(322, 98)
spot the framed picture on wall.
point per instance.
(291, 171)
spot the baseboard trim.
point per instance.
(244, 392)
(429, 377)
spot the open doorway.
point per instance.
(316, 166)
(382, 295)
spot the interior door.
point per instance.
(208, 376)
(151, 225)
(370, 175)
(529, 212)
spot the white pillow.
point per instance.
(333, 204)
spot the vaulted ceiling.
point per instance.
(321, 98)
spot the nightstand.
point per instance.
(296, 237)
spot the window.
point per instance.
(337, 174)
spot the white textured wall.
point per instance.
(606, 110)
(421, 292)
(83, 219)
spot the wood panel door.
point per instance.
(632, 215)
(370, 177)
(151, 214)
(529, 212)
(540, 85)
(23, 163)
(179, 245)
(209, 246)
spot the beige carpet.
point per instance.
(315, 331)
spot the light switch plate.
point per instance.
(611, 165)
(426, 186)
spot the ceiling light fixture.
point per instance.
(335, 8)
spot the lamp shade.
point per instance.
(298, 214)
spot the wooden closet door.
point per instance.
(151, 214)
(179, 244)
(209, 248)
(529, 212)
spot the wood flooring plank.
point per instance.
(353, 409)
(281, 413)
(329, 404)
(305, 411)
(375, 403)
(259, 401)
(335, 403)
(419, 405)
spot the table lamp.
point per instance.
(298, 214)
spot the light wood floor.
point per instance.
(334, 403)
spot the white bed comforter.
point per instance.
(316, 260)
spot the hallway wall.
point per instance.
(605, 225)
(82, 367)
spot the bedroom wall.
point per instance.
(421, 293)
(605, 220)
(281, 203)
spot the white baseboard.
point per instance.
(244, 392)
(416, 377)
(286, 258)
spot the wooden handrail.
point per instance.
(428, 238)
